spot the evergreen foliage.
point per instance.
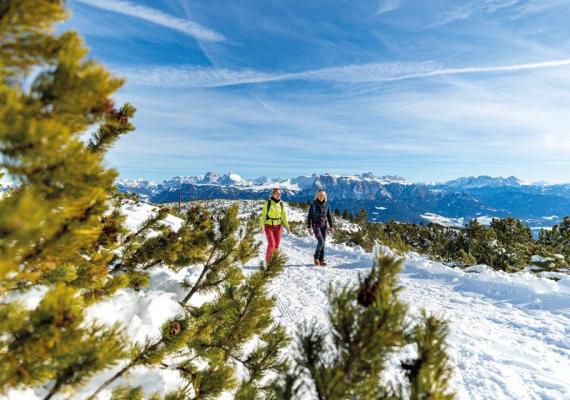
(506, 244)
(557, 240)
(210, 342)
(54, 229)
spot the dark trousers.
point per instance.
(321, 235)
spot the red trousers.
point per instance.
(273, 234)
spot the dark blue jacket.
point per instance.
(319, 214)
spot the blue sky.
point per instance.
(427, 90)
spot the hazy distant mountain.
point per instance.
(384, 198)
(473, 182)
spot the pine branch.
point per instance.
(109, 381)
(205, 270)
(140, 357)
(116, 124)
(255, 286)
(54, 390)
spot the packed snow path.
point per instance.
(509, 334)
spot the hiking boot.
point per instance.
(322, 263)
(317, 261)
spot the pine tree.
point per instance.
(560, 237)
(368, 324)
(516, 239)
(240, 314)
(555, 244)
(362, 215)
(214, 333)
(482, 244)
(227, 324)
(52, 224)
(466, 258)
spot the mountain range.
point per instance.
(384, 198)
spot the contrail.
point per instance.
(193, 76)
(157, 17)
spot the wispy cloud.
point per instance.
(467, 9)
(157, 17)
(476, 127)
(388, 5)
(537, 6)
(482, 106)
(193, 76)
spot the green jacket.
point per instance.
(277, 214)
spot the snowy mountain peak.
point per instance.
(136, 183)
(395, 179)
(232, 179)
(210, 178)
(473, 182)
(291, 183)
(365, 177)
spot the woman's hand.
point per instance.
(309, 231)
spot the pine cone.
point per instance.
(108, 108)
(175, 329)
(367, 294)
(66, 319)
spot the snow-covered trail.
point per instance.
(509, 334)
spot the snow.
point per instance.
(509, 333)
(485, 220)
(29, 299)
(539, 259)
(370, 177)
(143, 313)
(443, 221)
(136, 183)
(236, 177)
(551, 218)
(138, 213)
(473, 182)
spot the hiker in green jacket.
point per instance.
(273, 217)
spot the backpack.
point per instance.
(269, 206)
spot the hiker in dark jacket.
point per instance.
(319, 215)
